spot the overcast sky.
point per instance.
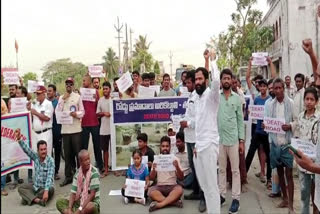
(83, 29)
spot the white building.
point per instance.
(293, 21)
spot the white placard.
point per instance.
(88, 94)
(307, 147)
(11, 78)
(18, 104)
(274, 125)
(184, 92)
(144, 160)
(156, 88)
(115, 192)
(164, 163)
(33, 85)
(114, 95)
(64, 117)
(135, 188)
(176, 122)
(173, 145)
(124, 82)
(96, 70)
(256, 112)
(145, 92)
(260, 58)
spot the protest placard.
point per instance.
(18, 104)
(135, 188)
(96, 70)
(184, 92)
(146, 92)
(156, 88)
(307, 147)
(274, 125)
(114, 95)
(164, 163)
(144, 160)
(33, 85)
(11, 78)
(88, 94)
(256, 112)
(64, 117)
(176, 122)
(260, 58)
(124, 82)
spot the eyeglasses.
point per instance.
(69, 84)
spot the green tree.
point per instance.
(156, 68)
(111, 63)
(141, 54)
(141, 44)
(29, 76)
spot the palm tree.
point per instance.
(141, 44)
(111, 64)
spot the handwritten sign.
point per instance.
(144, 160)
(184, 92)
(88, 94)
(96, 70)
(33, 85)
(124, 82)
(11, 78)
(176, 122)
(274, 125)
(260, 58)
(256, 112)
(307, 147)
(135, 188)
(114, 95)
(18, 104)
(156, 88)
(164, 163)
(173, 145)
(145, 92)
(64, 117)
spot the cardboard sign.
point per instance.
(184, 92)
(164, 163)
(96, 70)
(260, 58)
(18, 104)
(124, 82)
(176, 122)
(274, 125)
(135, 188)
(11, 78)
(156, 88)
(145, 92)
(64, 117)
(88, 94)
(307, 147)
(144, 160)
(115, 95)
(256, 112)
(33, 85)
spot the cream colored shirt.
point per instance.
(45, 108)
(281, 138)
(298, 103)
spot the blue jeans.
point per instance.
(3, 182)
(305, 189)
(188, 180)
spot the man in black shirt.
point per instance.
(145, 149)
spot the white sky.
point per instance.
(83, 29)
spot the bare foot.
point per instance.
(283, 204)
(244, 188)
(36, 200)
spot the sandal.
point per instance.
(263, 179)
(283, 204)
(153, 206)
(269, 185)
(178, 204)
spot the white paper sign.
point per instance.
(184, 92)
(145, 92)
(64, 117)
(176, 122)
(164, 163)
(274, 125)
(33, 85)
(256, 112)
(115, 192)
(11, 78)
(124, 82)
(114, 95)
(18, 104)
(156, 88)
(96, 70)
(307, 147)
(260, 58)
(173, 144)
(135, 188)
(88, 94)
(144, 160)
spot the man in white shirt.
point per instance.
(206, 130)
(298, 96)
(289, 89)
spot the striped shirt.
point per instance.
(94, 183)
(44, 171)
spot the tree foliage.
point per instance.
(111, 63)
(156, 68)
(29, 76)
(141, 54)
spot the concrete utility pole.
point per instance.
(118, 29)
(131, 52)
(170, 56)
(126, 54)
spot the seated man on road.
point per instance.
(42, 189)
(145, 149)
(85, 190)
(167, 191)
(182, 155)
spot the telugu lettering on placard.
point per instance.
(18, 104)
(64, 117)
(274, 125)
(124, 82)
(307, 147)
(260, 58)
(88, 94)
(96, 70)
(164, 163)
(256, 112)
(134, 188)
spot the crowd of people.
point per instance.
(210, 145)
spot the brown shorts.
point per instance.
(104, 142)
(164, 189)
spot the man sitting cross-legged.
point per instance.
(167, 191)
(85, 190)
(42, 189)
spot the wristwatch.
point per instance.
(80, 208)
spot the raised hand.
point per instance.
(307, 46)
(17, 134)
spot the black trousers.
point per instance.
(71, 146)
(57, 145)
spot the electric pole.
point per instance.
(170, 56)
(118, 29)
(131, 52)
(125, 54)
